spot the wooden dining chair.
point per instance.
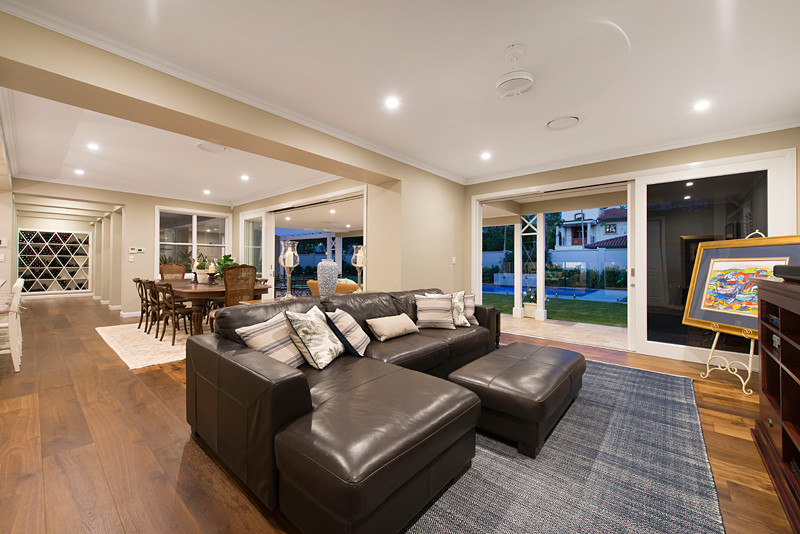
(144, 313)
(240, 281)
(171, 309)
(172, 271)
(155, 312)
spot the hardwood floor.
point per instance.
(87, 445)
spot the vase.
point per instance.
(327, 274)
(202, 276)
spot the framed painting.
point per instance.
(722, 294)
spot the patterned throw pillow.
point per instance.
(469, 309)
(272, 338)
(459, 317)
(435, 311)
(312, 337)
(393, 326)
(354, 339)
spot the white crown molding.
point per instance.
(652, 149)
(72, 29)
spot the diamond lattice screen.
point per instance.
(53, 261)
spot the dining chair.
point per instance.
(155, 312)
(172, 271)
(170, 308)
(144, 303)
(240, 281)
(13, 325)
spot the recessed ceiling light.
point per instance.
(486, 156)
(208, 230)
(93, 146)
(245, 177)
(689, 184)
(333, 211)
(80, 172)
(687, 197)
(391, 102)
(288, 218)
(348, 226)
(702, 105)
(206, 192)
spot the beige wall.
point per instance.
(784, 139)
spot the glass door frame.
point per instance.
(781, 167)
(267, 245)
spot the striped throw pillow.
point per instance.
(435, 311)
(469, 309)
(272, 338)
(352, 336)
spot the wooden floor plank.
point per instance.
(21, 487)
(77, 496)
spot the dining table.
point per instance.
(198, 294)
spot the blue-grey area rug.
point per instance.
(628, 456)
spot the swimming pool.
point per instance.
(581, 293)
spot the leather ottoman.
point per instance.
(381, 442)
(524, 391)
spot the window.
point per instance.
(183, 236)
(611, 228)
(252, 231)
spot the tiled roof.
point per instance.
(614, 214)
(614, 242)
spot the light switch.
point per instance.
(2, 257)
(131, 258)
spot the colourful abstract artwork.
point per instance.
(728, 287)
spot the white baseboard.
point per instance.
(105, 302)
(35, 296)
(128, 315)
(115, 307)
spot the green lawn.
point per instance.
(577, 311)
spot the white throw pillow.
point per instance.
(272, 338)
(435, 311)
(469, 309)
(392, 326)
(313, 338)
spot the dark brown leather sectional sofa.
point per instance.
(360, 446)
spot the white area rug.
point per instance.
(138, 349)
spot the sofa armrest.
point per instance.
(237, 399)
(487, 317)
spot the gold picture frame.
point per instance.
(722, 297)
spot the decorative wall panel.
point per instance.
(53, 262)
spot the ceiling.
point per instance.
(48, 141)
(630, 71)
(319, 218)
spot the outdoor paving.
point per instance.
(612, 337)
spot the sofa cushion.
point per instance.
(362, 444)
(354, 339)
(227, 320)
(363, 306)
(435, 311)
(461, 340)
(406, 303)
(413, 351)
(313, 338)
(272, 338)
(386, 328)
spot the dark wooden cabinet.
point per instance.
(777, 432)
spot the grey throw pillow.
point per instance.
(313, 338)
